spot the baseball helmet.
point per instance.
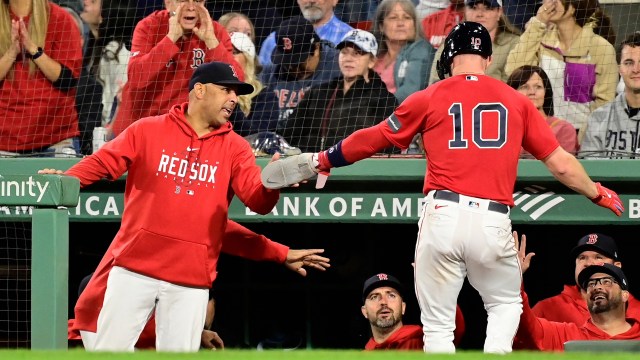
(467, 37)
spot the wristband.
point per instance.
(35, 56)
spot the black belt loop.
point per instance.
(454, 197)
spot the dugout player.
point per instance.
(473, 127)
(570, 305)
(184, 168)
(384, 306)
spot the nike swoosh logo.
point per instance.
(271, 181)
(440, 206)
(190, 149)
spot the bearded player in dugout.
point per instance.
(383, 298)
(465, 229)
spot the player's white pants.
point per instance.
(466, 239)
(129, 301)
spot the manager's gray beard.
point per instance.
(386, 323)
(313, 14)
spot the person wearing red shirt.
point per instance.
(40, 63)
(570, 305)
(384, 307)
(183, 169)
(167, 46)
(465, 226)
(607, 291)
(436, 26)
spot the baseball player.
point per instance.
(473, 127)
(384, 306)
(183, 169)
(606, 291)
(570, 304)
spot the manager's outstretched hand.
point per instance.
(608, 199)
(298, 259)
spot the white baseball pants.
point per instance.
(129, 301)
(466, 239)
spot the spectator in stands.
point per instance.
(504, 35)
(425, 8)
(612, 129)
(76, 7)
(168, 45)
(320, 14)
(404, 57)
(88, 90)
(259, 110)
(605, 289)
(436, 26)
(300, 61)
(534, 83)
(110, 56)
(572, 41)
(40, 63)
(356, 99)
(384, 307)
(238, 22)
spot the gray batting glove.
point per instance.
(289, 171)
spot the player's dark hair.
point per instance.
(632, 40)
(590, 13)
(521, 75)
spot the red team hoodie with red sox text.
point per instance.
(176, 199)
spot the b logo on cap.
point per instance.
(286, 44)
(593, 238)
(383, 277)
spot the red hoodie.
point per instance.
(542, 334)
(238, 241)
(570, 306)
(408, 337)
(176, 199)
(159, 70)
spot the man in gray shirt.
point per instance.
(612, 129)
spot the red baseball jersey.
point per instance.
(437, 26)
(473, 128)
(159, 70)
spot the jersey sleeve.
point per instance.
(407, 120)
(242, 242)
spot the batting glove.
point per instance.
(608, 199)
(289, 171)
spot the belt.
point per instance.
(451, 196)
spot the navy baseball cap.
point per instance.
(295, 41)
(489, 3)
(219, 73)
(381, 280)
(599, 243)
(616, 272)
